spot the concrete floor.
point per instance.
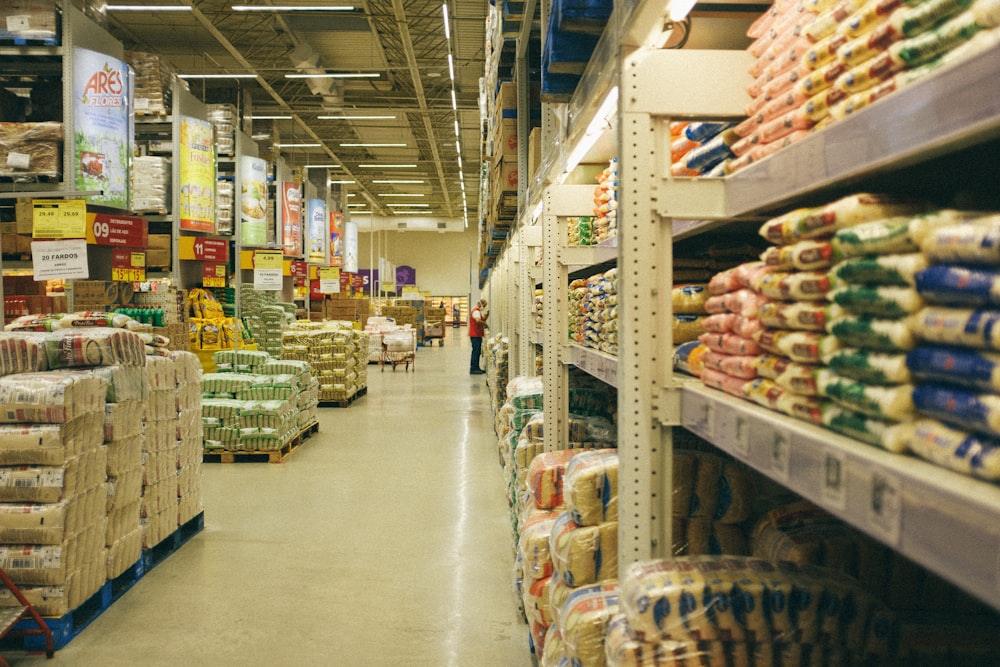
(383, 540)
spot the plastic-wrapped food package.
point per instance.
(545, 478)
(879, 368)
(817, 222)
(682, 599)
(583, 555)
(584, 621)
(590, 486)
(890, 270)
(954, 449)
(974, 369)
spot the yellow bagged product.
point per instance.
(590, 487)
(583, 625)
(584, 555)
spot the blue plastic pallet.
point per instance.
(65, 628)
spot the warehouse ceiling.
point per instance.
(398, 54)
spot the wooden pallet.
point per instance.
(269, 456)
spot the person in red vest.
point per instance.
(477, 327)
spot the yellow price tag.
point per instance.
(268, 259)
(59, 219)
(128, 275)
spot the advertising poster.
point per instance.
(351, 247)
(101, 141)
(197, 175)
(316, 234)
(253, 201)
(291, 219)
(336, 238)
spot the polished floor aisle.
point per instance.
(383, 540)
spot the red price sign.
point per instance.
(128, 265)
(117, 230)
(213, 275)
(203, 249)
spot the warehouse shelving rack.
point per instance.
(942, 520)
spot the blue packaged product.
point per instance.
(959, 285)
(959, 366)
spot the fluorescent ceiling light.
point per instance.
(335, 75)
(217, 76)
(387, 166)
(297, 145)
(356, 117)
(399, 180)
(401, 194)
(270, 117)
(292, 8)
(148, 8)
(408, 205)
(341, 182)
(447, 28)
(373, 145)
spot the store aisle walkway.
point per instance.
(383, 541)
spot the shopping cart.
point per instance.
(399, 347)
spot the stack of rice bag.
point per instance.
(569, 547)
(605, 222)
(336, 352)
(712, 497)
(820, 60)
(738, 610)
(593, 311)
(700, 149)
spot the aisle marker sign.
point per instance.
(59, 219)
(329, 280)
(267, 265)
(65, 259)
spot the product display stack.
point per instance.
(190, 435)
(337, 353)
(128, 390)
(54, 493)
(159, 455)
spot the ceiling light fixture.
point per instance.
(373, 145)
(148, 8)
(387, 166)
(335, 75)
(399, 180)
(217, 76)
(355, 117)
(297, 145)
(292, 8)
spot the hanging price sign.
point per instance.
(213, 275)
(128, 265)
(59, 218)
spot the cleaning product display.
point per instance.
(256, 403)
(335, 351)
(816, 65)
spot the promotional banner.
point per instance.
(253, 201)
(351, 247)
(336, 238)
(291, 219)
(197, 175)
(316, 232)
(101, 142)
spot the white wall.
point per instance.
(445, 262)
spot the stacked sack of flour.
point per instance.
(159, 455)
(817, 62)
(190, 435)
(956, 365)
(568, 549)
(745, 611)
(124, 436)
(54, 496)
(605, 222)
(712, 497)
